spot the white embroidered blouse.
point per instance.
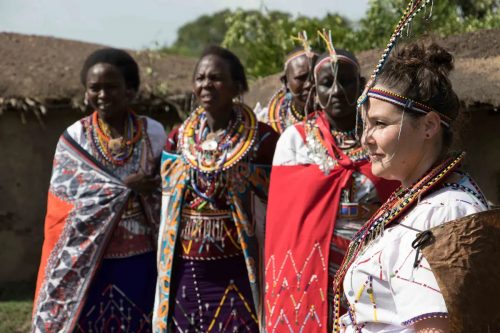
(385, 292)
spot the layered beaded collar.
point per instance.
(116, 151)
(281, 112)
(327, 152)
(208, 152)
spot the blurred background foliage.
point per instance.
(261, 38)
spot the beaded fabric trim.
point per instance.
(399, 202)
(217, 155)
(412, 321)
(393, 98)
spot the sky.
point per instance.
(139, 24)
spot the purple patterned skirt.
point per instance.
(212, 296)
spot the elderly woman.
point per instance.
(409, 116)
(97, 271)
(215, 183)
(290, 104)
(322, 191)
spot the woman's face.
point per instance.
(392, 157)
(338, 98)
(297, 79)
(106, 91)
(213, 85)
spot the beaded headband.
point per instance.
(413, 8)
(409, 104)
(307, 50)
(340, 58)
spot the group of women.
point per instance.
(292, 218)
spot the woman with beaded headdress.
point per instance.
(409, 111)
(289, 105)
(215, 172)
(321, 193)
(98, 272)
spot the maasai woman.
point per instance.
(288, 105)
(409, 116)
(215, 183)
(98, 272)
(321, 193)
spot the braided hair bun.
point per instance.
(421, 73)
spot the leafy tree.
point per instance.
(194, 36)
(441, 17)
(263, 38)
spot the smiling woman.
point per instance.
(409, 115)
(215, 172)
(97, 271)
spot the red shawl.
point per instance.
(302, 209)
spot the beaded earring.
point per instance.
(191, 102)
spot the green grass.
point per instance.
(16, 300)
(15, 316)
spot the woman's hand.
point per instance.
(141, 183)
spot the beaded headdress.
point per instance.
(306, 48)
(413, 8)
(333, 59)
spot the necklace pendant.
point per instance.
(115, 145)
(209, 145)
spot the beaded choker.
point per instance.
(116, 150)
(282, 113)
(406, 103)
(399, 202)
(208, 152)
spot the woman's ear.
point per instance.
(284, 81)
(432, 124)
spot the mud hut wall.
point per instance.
(27, 152)
(481, 141)
(25, 169)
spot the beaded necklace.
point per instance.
(116, 151)
(318, 146)
(399, 202)
(209, 154)
(282, 112)
(345, 140)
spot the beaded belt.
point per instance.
(208, 235)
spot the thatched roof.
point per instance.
(46, 70)
(476, 77)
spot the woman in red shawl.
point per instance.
(330, 192)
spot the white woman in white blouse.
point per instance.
(409, 119)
